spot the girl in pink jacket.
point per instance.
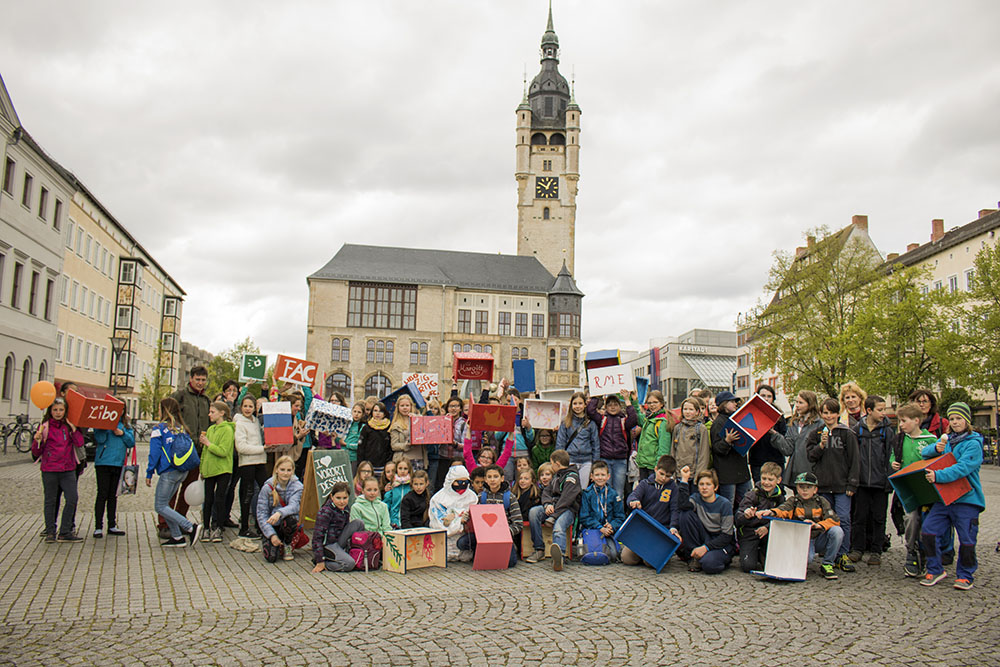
(54, 446)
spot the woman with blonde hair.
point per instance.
(852, 403)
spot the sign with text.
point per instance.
(490, 417)
(86, 412)
(431, 430)
(296, 371)
(427, 383)
(544, 414)
(473, 366)
(610, 380)
(331, 466)
(253, 367)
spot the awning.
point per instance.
(713, 370)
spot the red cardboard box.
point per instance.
(296, 371)
(431, 430)
(914, 490)
(85, 412)
(493, 540)
(473, 366)
(489, 417)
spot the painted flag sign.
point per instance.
(427, 383)
(296, 371)
(253, 367)
(278, 425)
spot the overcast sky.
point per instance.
(243, 142)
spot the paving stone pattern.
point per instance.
(128, 601)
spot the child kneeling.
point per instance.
(706, 520)
(333, 530)
(560, 504)
(601, 512)
(752, 531)
(278, 510)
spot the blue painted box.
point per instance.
(648, 538)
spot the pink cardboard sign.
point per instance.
(431, 430)
(543, 414)
(493, 540)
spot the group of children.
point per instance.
(827, 465)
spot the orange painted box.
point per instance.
(86, 412)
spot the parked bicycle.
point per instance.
(22, 432)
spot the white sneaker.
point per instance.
(288, 554)
(465, 555)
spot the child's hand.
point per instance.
(319, 568)
(275, 541)
(203, 439)
(635, 504)
(929, 475)
(118, 432)
(676, 533)
(763, 513)
(761, 532)
(939, 447)
(525, 423)
(750, 511)
(824, 439)
(731, 436)
(549, 509)
(149, 481)
(685, 473)
(894, 465)
(274, 519)
(699, 551)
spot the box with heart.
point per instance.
(493, 539)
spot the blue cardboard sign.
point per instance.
(524, 375)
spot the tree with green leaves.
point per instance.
(902, 336)
(979, 342)
(804, 331)
(226, 365)
(154, 387)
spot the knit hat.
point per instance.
(807, 478)
(962, 410)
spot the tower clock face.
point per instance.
(546, 187)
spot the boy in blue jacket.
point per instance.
(602, 509)
(656, 496)
(963, 515)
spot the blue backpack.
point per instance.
(181, 452)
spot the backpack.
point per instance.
(506, 500)
(594, 548)
(366, 550)
(182, 453)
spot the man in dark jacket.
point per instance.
(194, 413)
(560, 504)
(875, 442)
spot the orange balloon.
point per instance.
(42, 394)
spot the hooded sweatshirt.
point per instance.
(658, 500)
(967, 448)
(907, 448)
(563, 492)
(874, 451)
(837, 465)
(692, 446)
(654, 439)
(290, 494)
(374, 514)
(217, 456)
(56, 451)
(451, 506)
(249, 441)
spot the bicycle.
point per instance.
(22, 432)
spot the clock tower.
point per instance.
(547, 171)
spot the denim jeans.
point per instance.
(537, 516)
(841, 503)
(829, 543)
(53, 483)
(619, 471)
(166, 489)
(735, 492)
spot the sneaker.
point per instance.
(288, 555)
(931, 579)
(116, 531)
(194, 533)
(557, 557)
(98, 533)
(911, 568)
(535, 556)
(175, 543)
(247, 534)
(465, 555)
(948, 557)
(72, 538)
(874, 559)
(216, 534)
(44, 533)
(827, 571)
(963, 584)
(855, 556)
(50, 538)
(845, 564)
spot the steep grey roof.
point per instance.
(564, 283)
(417, 266)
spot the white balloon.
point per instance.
(194, 495)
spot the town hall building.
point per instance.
(378, 314)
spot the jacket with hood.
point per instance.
(352, 439)
(761, 500)
(773, 447)
(730, 465)
(601, 505)
(658, 500)
(194, 412)
(217, 456)
(874, 453)
(374, 514)
(112, 449)
(291, 495)
(612, 430)
(692, 445)
(967, 448)
(563, 492)
(585, 447)
(56, 452)
(935, 424)
(393, 499)
(654, 439)
(330, 523)
(412, 509)
(249, 441)
(540, 453)
(514, 520)
(798, 461)
(161, 440)
(836, 465)
(448, 505)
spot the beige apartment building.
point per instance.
(113, 292)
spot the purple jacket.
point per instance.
(56, 452)
(614, 441)
(330, 523)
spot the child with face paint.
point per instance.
(449, 507)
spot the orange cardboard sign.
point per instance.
(488, 417)
(86, 412)
(296, 371)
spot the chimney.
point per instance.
(986, 211)
(912, 246)
(891, 256)
(810, 241)
(860, 222)
(937, 230)
(800, 251)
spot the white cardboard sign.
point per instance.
(610, 380)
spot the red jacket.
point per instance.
(56, 451)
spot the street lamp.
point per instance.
(117, 345)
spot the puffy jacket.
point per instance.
(654, 439)
(249, 441)
(194, 412)
(601, 505)
(835, 465)
(563, 492)
(798, 461)
(585, 446)
(612, 430)
(56, 451)
(817, 509)
(292, 497)
(330, 523)
(112, 449)
(692, 446)
(874, 453)
(217, 456)
(967, 448)
(730, 465)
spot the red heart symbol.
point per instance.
(490, 519)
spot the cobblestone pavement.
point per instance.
(127, 601)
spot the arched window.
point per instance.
(576, 360)
(414, 354)
(340, 383)
(524, 353)
(377, 385)
(545, 213)
(335, 350)
(557, 139)
(345, 349)
(43, 372)
(488, 349)
(26, 379)
(515, 353)
(8, 377)
(457, 347)
(538, 139)
(388, 351)
(564, 359)
(467, 348)
(552, 359)
(370, 354)
(477, 348)
(423, 354)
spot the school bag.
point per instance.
(506, 500)
(182, 453)
(366, 550)
(594, 547)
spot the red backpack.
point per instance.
(366, 550)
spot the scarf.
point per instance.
(399, 480)
(690, 422)
(379, 424)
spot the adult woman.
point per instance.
(927, 402)
(773, 446)
(803, 423)
(852, 404)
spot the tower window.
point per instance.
(546, 165)
(545, 213)
(557, 139)
(549, 106)
(538, 139)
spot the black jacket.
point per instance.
(836, 465)
(874, 448)
(770, 449)
(729, 465)
(564, 491)
(412, 510)
(762, 501)
(374, 447)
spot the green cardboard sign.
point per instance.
(253, 367)
(332, 466)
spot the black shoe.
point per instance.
(115, 530)
(194, 533)
(175, 542)
(72, 538)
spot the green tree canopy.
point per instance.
(226, 365)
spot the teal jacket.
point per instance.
(112, 449)
(967, 448)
